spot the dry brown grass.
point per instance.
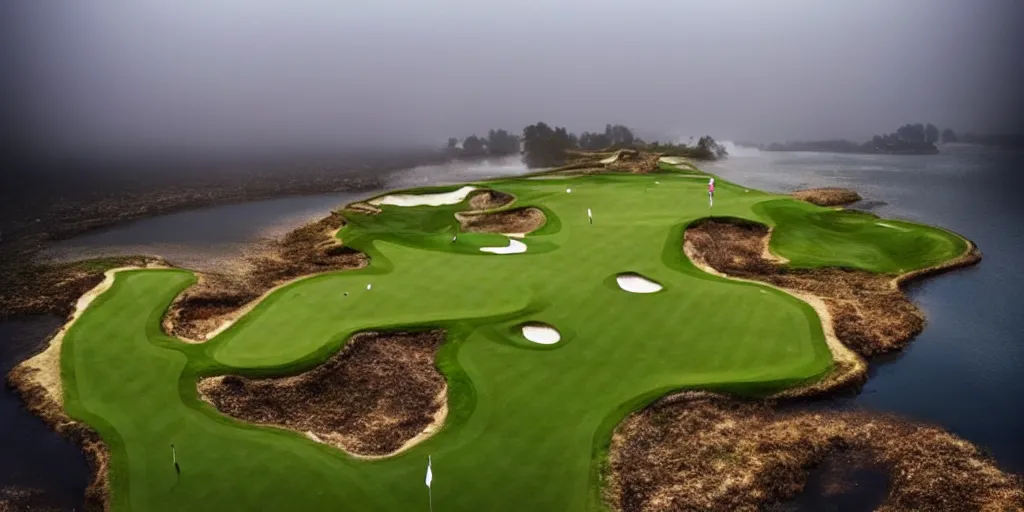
(39, 402)
(372, 397)
(700, 451)
(520, 221)
(827, 196)
(869, 312)
(218, 299)
(489, 199)
(53, 288)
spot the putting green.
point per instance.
(528, 423)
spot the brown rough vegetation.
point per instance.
(827, 196)
(870, 313)
(489, 199)
(636, 163)
(520, 220)
(39, 402)
(380, 391)
(701, 451)
(217, 298)
(627, 160)
(53, 288)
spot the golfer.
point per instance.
(711, 192)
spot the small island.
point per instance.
(909, 139)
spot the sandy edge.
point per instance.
(234, 316)
(167, 323)
(440, 415)
(38, 381)
(45, 366)
(850, 368)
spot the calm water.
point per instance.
(206, 238)
(965, 372)
(31, 455)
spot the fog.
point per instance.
(115, 77)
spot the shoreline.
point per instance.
(37, 380)
(851, 366)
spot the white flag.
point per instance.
(430, 475)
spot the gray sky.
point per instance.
(236, 74)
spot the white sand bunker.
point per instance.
(541, 333)
(443, 198)
(611, 159)
(672, 160)
(636, 283)
(514, 247)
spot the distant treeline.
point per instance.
(912, 139)
(909, 139)
(545, 146)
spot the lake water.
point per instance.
(207, 238)
(965, 372)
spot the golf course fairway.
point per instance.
(528, 423)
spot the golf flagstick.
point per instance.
(430, 490)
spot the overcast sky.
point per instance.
(235, 74)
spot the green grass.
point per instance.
(529, 425)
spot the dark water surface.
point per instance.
(965, 372)
(206, 238)
(32, 456)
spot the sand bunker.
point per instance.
(377, 396)
(672, 160)
(636, 283)
(541, 333)
(514, 247)
(439, 199)
(700, 451)
(610, 159)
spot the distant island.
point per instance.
(909, 139)
(543, 146)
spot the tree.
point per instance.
(709, 149)
(474, 146)
(594, 141)
(453, 143)
(619, 135)
(502, 143)
(544, 146)
(931, 134)
(948, 136)
(911, 132)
